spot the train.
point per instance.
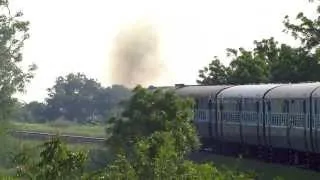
(274, 122)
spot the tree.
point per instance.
(79, 98)
(216, 73)
(30, 112)
(13, 33)
(272, 62)
(307, 30)
(151, 111)
(268, 62)
(247, 68)
(109, 101)
(71, 97)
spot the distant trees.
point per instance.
(271, 62)
(78, 98)
(30, 112)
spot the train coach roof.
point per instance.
(200, 91)
(302, 90)
(247, 91)
(162, 88)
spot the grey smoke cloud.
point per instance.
(135, 58)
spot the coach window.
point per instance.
(248, 105)
(269, 106)
(210, 108)
(301, 120)
(204, 107)
(238, 110)
(285, 106)
(285, 110)
(257, 106)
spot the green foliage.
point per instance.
(246, 67)
(156, 158)
(215, 73)
(56, 162)
(306, 30)
(271, 62)
(78, 98)
(268, 62)
(150, 111)
(120, 169)
(13, 33)
(31, 112)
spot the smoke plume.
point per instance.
(135, 58)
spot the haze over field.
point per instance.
(71, 36)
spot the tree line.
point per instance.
(270, 61)
(76, 98)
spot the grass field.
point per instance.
(63, 128)
(33, 149)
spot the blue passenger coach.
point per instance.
(277, 118)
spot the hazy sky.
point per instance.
(77, 35)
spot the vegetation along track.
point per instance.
(96, 140)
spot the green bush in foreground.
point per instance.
(154, 158)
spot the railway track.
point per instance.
(35, 135)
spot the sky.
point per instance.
(78, 35)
